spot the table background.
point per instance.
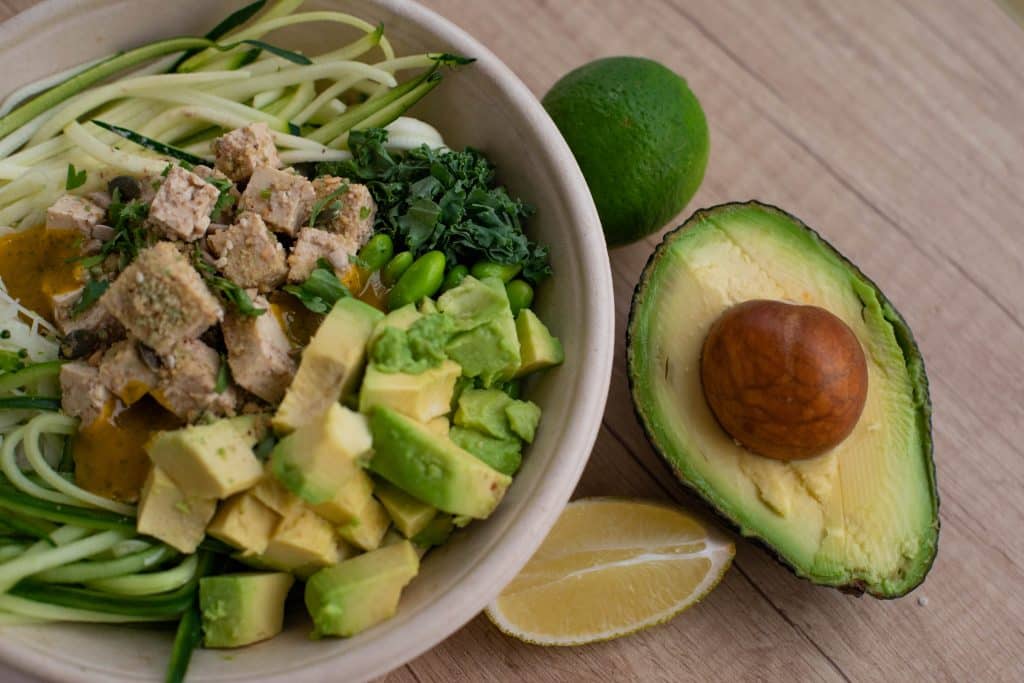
(896, 129)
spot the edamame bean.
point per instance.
(520, 295)
(454, 278)
(503, 271)
(421, 279)
(398, 264)
(377, 252)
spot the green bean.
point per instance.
(454, 278)
(376, 253)
(520, 295)
(420, 280)
(502, 271)
(398, 264)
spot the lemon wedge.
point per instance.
(611, 567)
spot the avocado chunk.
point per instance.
(212, 460)
(422, 396)
(436, 533)
(302, 543)
(862, 516)
(496, 414)
(368, 527)
(244, 523)
(538, 348)
(410, 516)
(172, 515)
(485, 342)
(241, 609)
(362, 592)
(318, 458)
(432, 468)
(504, 455)
(331, 364)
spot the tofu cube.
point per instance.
(351, 214)
(259, 353)
(249, 255)
(161, 299)
(187, 384)
(181, 208)
(213, 460)
(243, 150)
(282, 199)
(82, 394)
(369, 526)
(314, 244)
(74, 213)
(243, 522)
(96, 318)
(123, 372)
(170, 514)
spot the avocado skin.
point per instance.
(904, 337)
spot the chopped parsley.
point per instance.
(330, 202)
(321, 290)
(91, 293)
(227, 289)
(223, 376)
(75, 178)
(441, 199)
(225, 200)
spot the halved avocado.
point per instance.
(861, 517)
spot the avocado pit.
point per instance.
(786, 381)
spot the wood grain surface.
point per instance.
(896, 129)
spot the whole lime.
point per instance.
(640, 138)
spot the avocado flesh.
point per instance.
(863, 516)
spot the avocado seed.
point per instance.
(785, 381)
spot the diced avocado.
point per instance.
(436, 533)
(330, 365)
(523, 417)
(486, 344)
(272, 493)
(241, 609)
(362, 592)
(421, 397)
(862, 516)
(368, 527)
(212, 460)
(412, 350)
(428, 306)
(439, 425)
(538, 348)
(392, 537)
(504, 455)
(410, 516)
(318, 458)
(432, 468)
(474, 302)
(243, 522)
(302, 543)
(348, 501)
(400, 318)
(168, 513)
(484, 411)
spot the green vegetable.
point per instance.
(422, 279)
(130, 234)
(225, 200)
(321, 290)
(186, 640)
(454, 278)
(376, 252)
(10, 381)
(230, 291)
(91, 293)
(326, 202)
(29, 403)
(502, 271)
(10, 361)
(396, 267)
(442, 200)
(153, 145)
(75, 178)
(520, 295)
(223, 376)
(230, 22)
(414, 350)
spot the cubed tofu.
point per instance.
(182, 206)
(248, 253)
(302, 543)
(213, 460)
(282, 199)
(74, 213)
(96, 318)
(369, 526)
(161, 299)
(170, 514)
(312, 245)
(243, 150)
(243, 522)
(82, 394)
(187, 383)
(258, 353)
(352, 216)
(123, 372)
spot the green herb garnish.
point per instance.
(223, 376)
(91, 293)
(225, 200)
(75, 178)
(320, 204)
(321, 290)
(230, 291)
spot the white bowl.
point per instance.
(485, 106)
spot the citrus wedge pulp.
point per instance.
(611, 567)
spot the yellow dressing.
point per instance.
(34, 265)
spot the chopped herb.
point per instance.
(91, 293)
(183, 507)
(321, 204)
(294, 129)
(322, 290)
(431, 199)
(166, 171)
(364, 213)
(266, 193)
(225, 200)
(5, 334)
(223, 376)
(227, 289)
(264, 447)
(75, 178)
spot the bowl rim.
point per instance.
(510, 550)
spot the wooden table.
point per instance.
(896, 129)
